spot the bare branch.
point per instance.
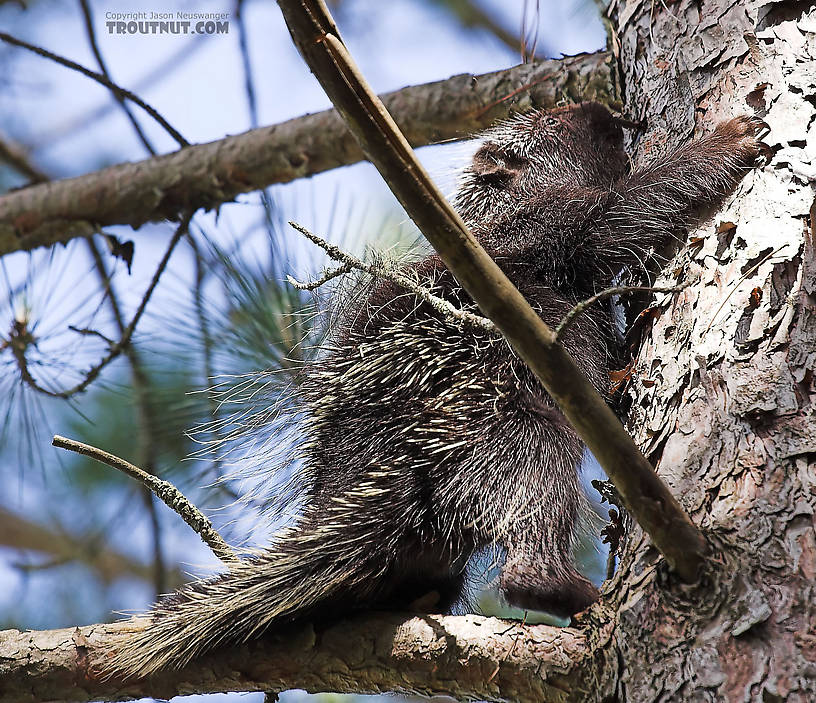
(207, 175)
(645, 495)
(164, 490)
(89, 30)
(432, 654)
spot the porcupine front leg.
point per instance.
(646, 208)
(581, 237)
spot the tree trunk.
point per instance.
(722, 389)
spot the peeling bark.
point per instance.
(723, 391)
(208, 175)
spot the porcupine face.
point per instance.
(579, 145)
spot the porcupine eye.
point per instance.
(492, 166)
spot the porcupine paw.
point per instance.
(562, 595)
(744, 135)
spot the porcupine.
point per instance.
(429, 439)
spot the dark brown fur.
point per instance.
(428, 440)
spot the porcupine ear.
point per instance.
(493, 167)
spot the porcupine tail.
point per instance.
(310, 571)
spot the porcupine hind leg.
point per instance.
(538, 573)
(426, 576)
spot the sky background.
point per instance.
(56, 112)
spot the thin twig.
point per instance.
(181, 230)
(512, 94)
(252, 100)
(328, 275)
(24, 338)
(243, 44)
(89, 30)
(99, 78)
(349, 262)
(147, 422)
(164, 490)
(91, 333)
(569, 319)
(149, 81)
(529, 47)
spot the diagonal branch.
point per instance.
(207, 175)
(432, 654)
(644, 494)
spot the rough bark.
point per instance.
(469, 657)
(723, 392)
(208, 175)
